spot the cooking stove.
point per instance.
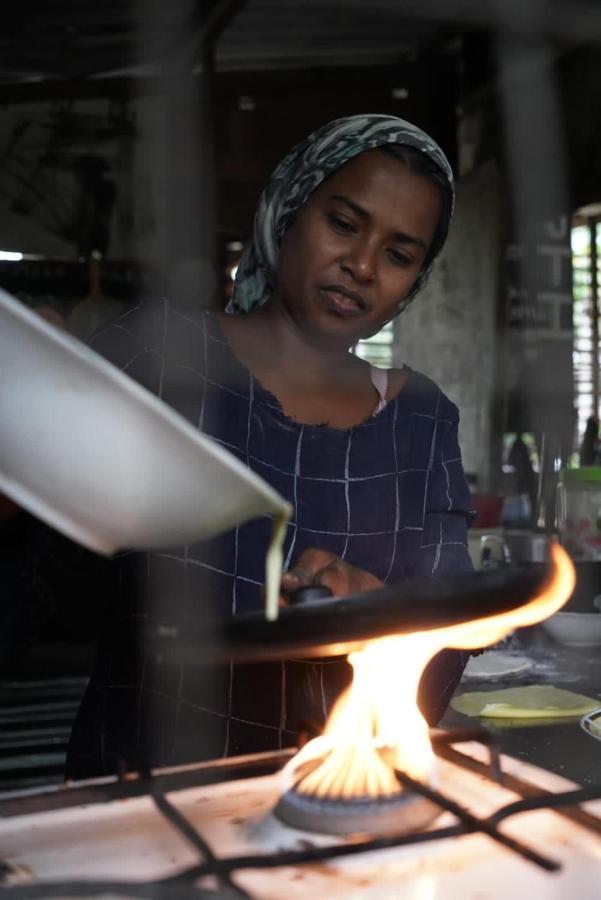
(507, 828)
(230, 828)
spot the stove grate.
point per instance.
(564, 803)
(184, 882)
(560, 803)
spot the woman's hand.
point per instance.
(324, 568)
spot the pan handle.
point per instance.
(309, 594)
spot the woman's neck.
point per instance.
(268, 341)
(316, 382)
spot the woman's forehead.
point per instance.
(377, 181)
(366, 171)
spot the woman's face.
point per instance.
(356, 247)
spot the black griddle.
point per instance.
(336, 626)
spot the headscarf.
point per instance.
(295, 178)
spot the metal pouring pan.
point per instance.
(337, 626)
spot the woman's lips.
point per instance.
(342, 301)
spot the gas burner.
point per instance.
(399, 814)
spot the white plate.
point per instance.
(496, 663)
(591, 723)
(98, 457)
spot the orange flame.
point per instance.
(376, 727)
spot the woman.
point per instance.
(345, 235)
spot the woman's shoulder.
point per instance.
(155, 333)
(150, 318)
(421, 395)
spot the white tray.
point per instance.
(95, 455)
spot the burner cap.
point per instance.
(397, 814)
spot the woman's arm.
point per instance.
(448, 511)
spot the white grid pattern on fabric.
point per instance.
(346, 493)
(297, 464)
(418, 432)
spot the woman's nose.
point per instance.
(361, 261)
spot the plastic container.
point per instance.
(579, 511)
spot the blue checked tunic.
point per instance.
(388, 496)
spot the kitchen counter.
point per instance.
(561, 747)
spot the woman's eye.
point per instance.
(399, 259)
(341, 225)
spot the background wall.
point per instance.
(449, 330)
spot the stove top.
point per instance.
(209, 830)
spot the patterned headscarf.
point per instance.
(301, 171)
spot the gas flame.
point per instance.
(376, 727)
